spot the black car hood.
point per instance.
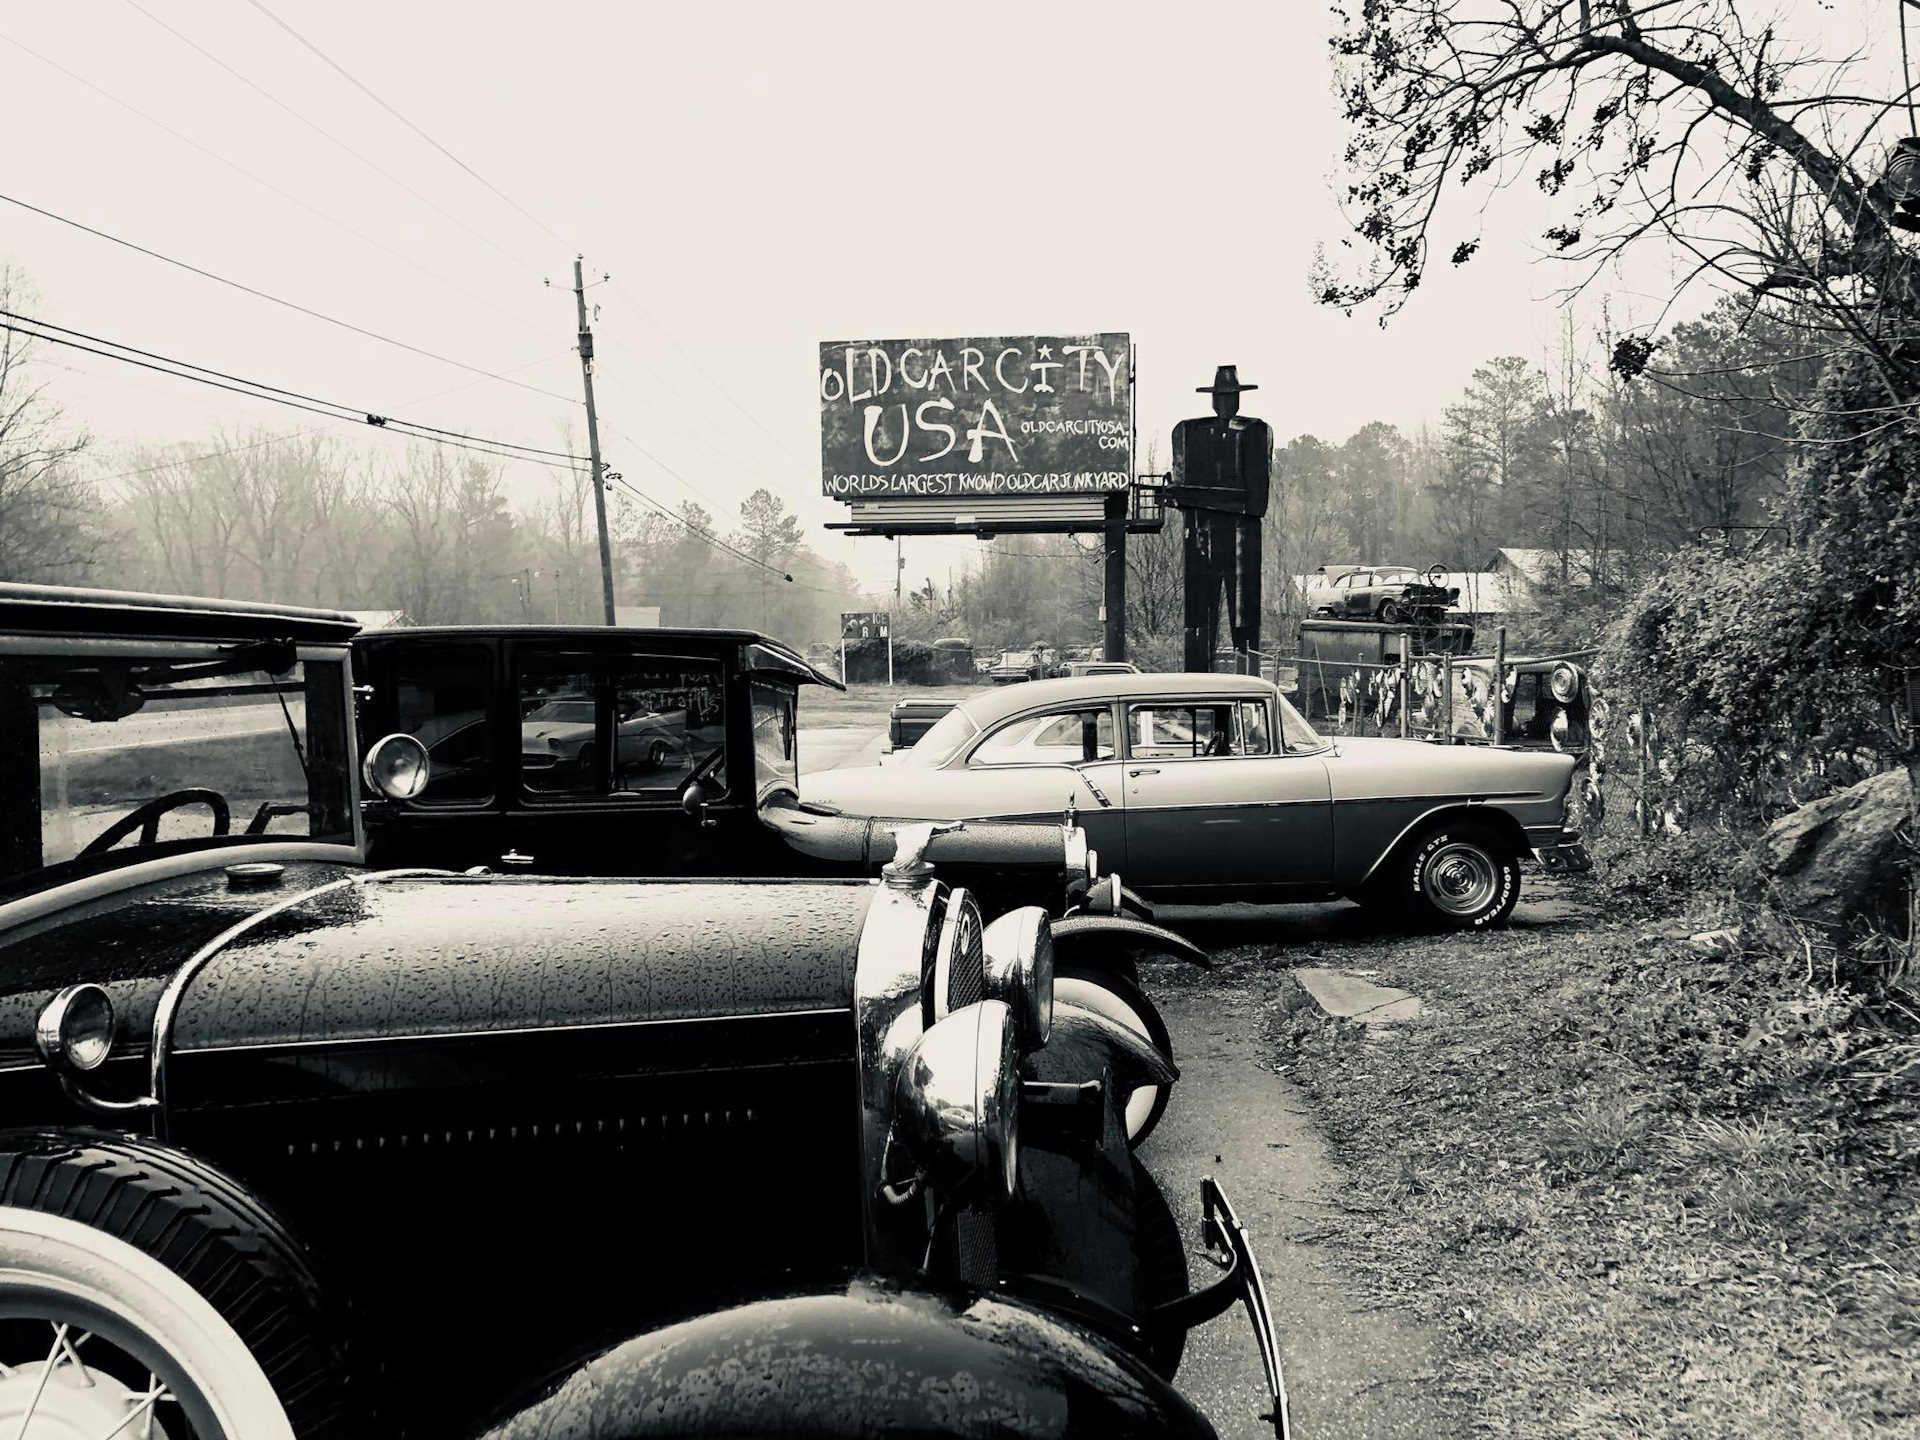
(393, 958)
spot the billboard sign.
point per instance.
(1027, 415)
(863, 625)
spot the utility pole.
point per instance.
(893, 623)
(593, 444)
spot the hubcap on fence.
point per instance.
(1460, 879)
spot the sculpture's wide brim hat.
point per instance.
(1226, 381)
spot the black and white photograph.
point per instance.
(996, 721)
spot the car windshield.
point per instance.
(1296, 735)
(123, 758)
(569, 712)
(942, 741)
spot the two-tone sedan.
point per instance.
(1208, 788)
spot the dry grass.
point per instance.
(1648, 1193)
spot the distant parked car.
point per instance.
(1077, 668)
(1014, 666)
(953, 656)
(1209, 788)
(1395, 594)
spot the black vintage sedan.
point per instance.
(299, 1148)
(521, 747)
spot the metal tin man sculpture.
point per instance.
(1222, 468)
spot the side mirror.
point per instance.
(694, 800)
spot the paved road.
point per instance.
(1354, 1373)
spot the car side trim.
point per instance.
(416, 1037)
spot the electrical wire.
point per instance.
(355, 411)
(290, 304)
(662, 331)
(363, 89)
(503, 449)
(326, 134)
(715, 541)
(294, 434)
(439, 277)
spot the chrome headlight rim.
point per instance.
(957, 1103)
(396, 767)
(1020, 971)
(74, 1030)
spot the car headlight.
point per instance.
(397, 767)
(75, 1029)
(1565, 682)
(957, 1102)
(1019, 970)
(959, 961)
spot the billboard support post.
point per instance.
(1114, 604)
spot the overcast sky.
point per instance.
(756, 178)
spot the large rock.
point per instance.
(1844, 855)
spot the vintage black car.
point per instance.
(298, 1148)
(681, 757)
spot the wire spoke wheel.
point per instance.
(62, 1380)
(1460, 879)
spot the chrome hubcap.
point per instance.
(84, 1389)
(1460, 879)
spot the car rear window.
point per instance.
(619, 724)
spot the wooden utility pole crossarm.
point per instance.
(593, 444)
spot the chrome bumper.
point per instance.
(1229, 1248)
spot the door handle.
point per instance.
(1136, 774)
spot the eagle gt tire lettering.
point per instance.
(1462, 876)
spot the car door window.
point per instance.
(440, 698)
(1068, 737)
(1210, 730)
(660, 719)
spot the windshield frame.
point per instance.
(924, 757)
(331, 755)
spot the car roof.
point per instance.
(67, 609)
(997, 705)
(764, 653)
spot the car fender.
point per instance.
(869, 1356)
(1106, 939)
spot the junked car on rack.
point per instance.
(301, 1149)
(1208, 788)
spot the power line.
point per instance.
(326, 134)
(296, 434)
(437, 276)
(503, 449)
(289, 304)
(344, 74)
(641, 310)
(714, 540)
